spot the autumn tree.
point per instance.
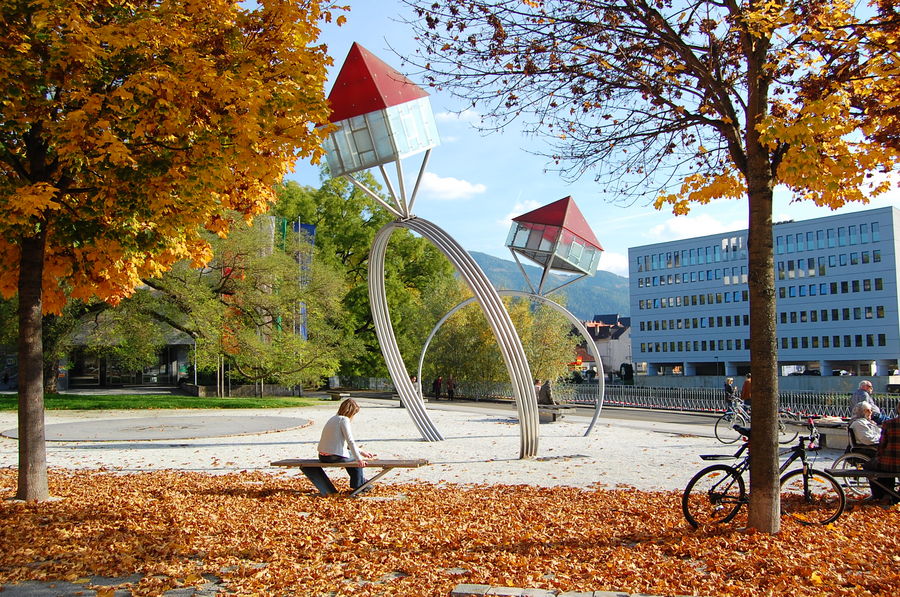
(127, 127)
(685, 102)
(466, 348)
(346, 222)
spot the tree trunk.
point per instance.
(32, 484)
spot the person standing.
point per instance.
(730, 392)
(451, 387)
(746, 391)
(436, 387)
(887, 459)
(336, 443)
(864, 394)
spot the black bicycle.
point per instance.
(717, 493)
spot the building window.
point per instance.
(882, 340)
(845, 287)
(879, 284)
(876, 235)
(867, 285)
(815, 341)
(804, 342)
(846, 313)
(820, 239)
(879, 312)
(803, 317)
(863, 233)
(830, 236)
(842, 236)
(835, 315)
(869, 313)
(857, 313)
(794, 342)
(836, 340)
(842, 259)
(876, 256)
(858, 339)
(814, 316)
(784, 343)
(865, 256)
(793, 317)
(824, 314)
(854, 258)
(854, 237)
(823, 288)
(825, 341)
(870, 340)
(782, 293)
(854, 285)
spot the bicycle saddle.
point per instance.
(745, 431)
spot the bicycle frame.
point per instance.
(796, 452)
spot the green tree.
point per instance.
(711, 98)
(249, 304)
(125, 128)
(346, 222)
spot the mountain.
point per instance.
(603, 292)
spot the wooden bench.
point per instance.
(312, 468)
(338, 395)
(855, 473)
(549, 413)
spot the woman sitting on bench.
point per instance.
(336, 443)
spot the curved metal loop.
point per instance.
(601, 382)
(495, 312)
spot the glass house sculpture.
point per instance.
(381, 115)
(556, 237)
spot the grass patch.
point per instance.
(156, 401)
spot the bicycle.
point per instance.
(738, 416)
(717, 493)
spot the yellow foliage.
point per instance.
(159, 120)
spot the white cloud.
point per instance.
(471, 116)
(616, 263)
(678, 227)
(448, 188)
(521, 207)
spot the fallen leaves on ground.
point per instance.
(268, 534)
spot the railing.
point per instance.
(703, 400)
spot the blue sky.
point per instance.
(475, 183)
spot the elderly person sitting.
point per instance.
(864, 394)
(866, 433)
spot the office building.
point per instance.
(837, 301)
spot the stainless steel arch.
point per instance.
(498, 318)
(601, 384)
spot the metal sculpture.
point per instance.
(601, 383)
(557, 237)
(380, 117)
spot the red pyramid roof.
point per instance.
(366, 84)
(563, 213)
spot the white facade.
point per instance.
(837, 301)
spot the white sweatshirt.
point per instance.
(337, 437)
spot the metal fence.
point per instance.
(703, 400)
(712, 400)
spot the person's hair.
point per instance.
(729, 379)
(747, 376)
(864, 384)
(860, 409)
(348, 408)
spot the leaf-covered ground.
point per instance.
(269, 534)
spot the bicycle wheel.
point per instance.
(724, 424)
(854, 487)
(812, 498)
(787, 428)
(713, 495)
